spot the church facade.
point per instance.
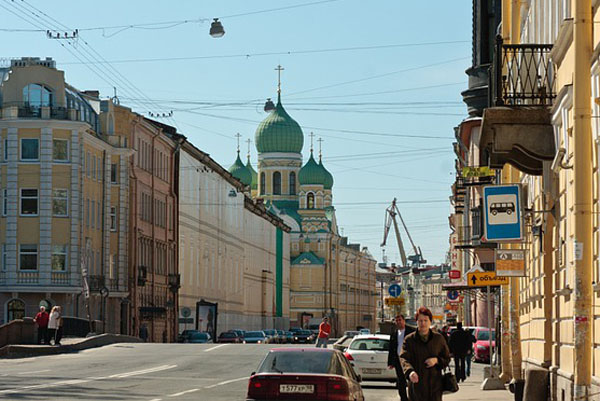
(329, 276)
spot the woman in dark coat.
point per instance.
(424, 355)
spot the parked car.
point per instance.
(271, 335)
(239, 332)
(185, 335)
(316, 374)
(304, 336)
(289, 337)
(344, 341)
(365, 331)
(255, 337)
(199, 337)
(368, 356)
(314, 328)
(482, 344)
(229, 337)
(281, 337)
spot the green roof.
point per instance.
(308, 258)
(328, 181)
(241, 172)
(279, 133)
(311, 173)
(254, 184)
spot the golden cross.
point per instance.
(279, 69)
(320, 140)
(238, 136)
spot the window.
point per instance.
(93, 166)
(87, 212)
(4, 202)
(4, 266)
(5, 148)
(30, 149)
(93, 213)
(59, 258)
(88, 159)
(60, 150)
(113, 218)
(262, 183)
(29, 202)
(292, 183)
(15, 309)
(28, 257)
(113, 173)
(36, 95)
(310, 201)
(60, 202)
(98, 215)
(277, 183)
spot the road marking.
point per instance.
(157, 399)
(184, 392)
(215, 347)
(141, 372)
(227, 382)
(34, 371)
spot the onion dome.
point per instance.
(279, 133)
(241, 172)
(311, 173)
(328, 178)
(254, 184)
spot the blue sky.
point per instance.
(378, 81)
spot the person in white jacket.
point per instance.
(53, 324)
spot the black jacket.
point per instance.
(460, 342)
(393, 359)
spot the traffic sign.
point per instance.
(485, 279)
(502, 213)
(454, 274)
(510, 262)
(453, 295)
(389, 301)
(186, 312)
(395, 290)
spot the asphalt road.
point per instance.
(149, 372)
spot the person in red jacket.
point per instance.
(324, 332)
(41, 319)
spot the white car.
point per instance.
(368, 354)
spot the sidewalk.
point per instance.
(470, 390)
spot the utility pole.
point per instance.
(582, 203)
(506, 374)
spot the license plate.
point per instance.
(296, 388)
(367, 371)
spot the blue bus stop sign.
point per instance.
(395, 290)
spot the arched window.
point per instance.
(15, 309)
(36, 95)
(310, 200)
(292, 183)
(263, 183)
(277, 183)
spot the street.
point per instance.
(152, 372)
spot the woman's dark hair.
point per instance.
(424, 311)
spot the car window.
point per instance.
(228, 335)
(254, 334)
(305, 332)
(484, 335)
(200, 336)
(370, 344)
(347, 369)
(296, 362)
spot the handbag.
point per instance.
(449, 383)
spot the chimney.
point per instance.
(92, 93)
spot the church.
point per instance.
(329, 276)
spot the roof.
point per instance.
(279, 133)
(254, 183)
(328, 180)
(240, 171)
(307, 349)
(311, 173)
(308, 258)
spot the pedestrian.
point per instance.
(144, 332)
(41, 319)
(396, 341)
(59, 326)
(472, 342)
(460, 342)
(424, 356)
(53, 323)
(324, 331)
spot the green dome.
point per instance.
(328, 181)
(311, 173)
(279, 133)
(254, 184)
(241, 172)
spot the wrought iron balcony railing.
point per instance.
(95, 282)
(28, 110)
(522, 75)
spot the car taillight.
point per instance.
(257, 387)
(348, 356)
(337, 389)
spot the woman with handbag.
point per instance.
(424, 355)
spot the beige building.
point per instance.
(233, 253)
(60, 197)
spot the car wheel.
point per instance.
(509, 211)
(494, 212)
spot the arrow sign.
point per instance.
(395, 290)
(485, 279)
(474, 280)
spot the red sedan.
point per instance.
(315, 374)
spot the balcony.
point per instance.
(517, 128)
(96, 283)
(26, 110)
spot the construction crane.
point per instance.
(390, 217)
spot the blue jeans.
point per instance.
(468, 369)
(321, 342)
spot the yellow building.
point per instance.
(60, 197)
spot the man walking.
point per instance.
(324, 331)
(41, 319)
(396, 342)
(460, 342)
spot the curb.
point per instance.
(26, 351)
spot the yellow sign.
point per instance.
(389, 301)
(483, 279)
(472, 172)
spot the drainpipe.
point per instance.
(506, 374)
(515, 321)
(582, 203)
